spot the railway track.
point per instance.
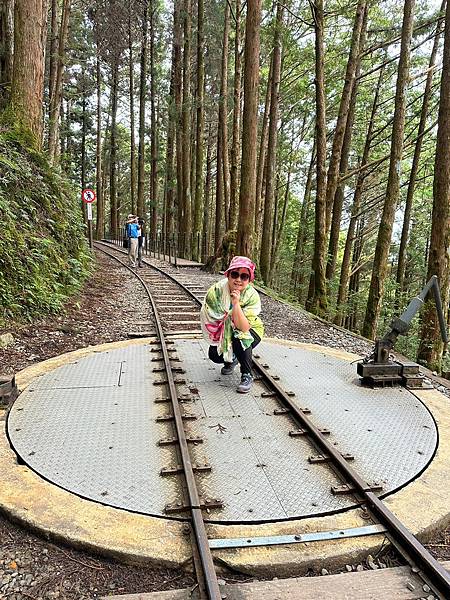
(162, 288)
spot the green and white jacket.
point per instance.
(216, 317)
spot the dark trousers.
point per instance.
(244, 356)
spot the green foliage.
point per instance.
(43, 252)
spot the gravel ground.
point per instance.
(107, 308)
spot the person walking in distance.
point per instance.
(141, 241)
(230, 321)
(132, 228)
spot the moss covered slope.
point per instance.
(43, 252)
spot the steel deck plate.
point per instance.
(90, 428)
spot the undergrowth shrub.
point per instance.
(44, 256)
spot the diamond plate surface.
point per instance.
(262, 473)
(389, 431)
(90, 427)
(98, 442)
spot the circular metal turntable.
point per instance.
(92, 428)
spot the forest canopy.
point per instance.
(312, 136)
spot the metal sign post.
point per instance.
(88, 197)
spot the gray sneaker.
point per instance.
(246, 384)
(228, 368)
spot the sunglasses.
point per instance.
(242, 276)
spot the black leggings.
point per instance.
(244, 356)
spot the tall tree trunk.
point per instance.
(348, 250)
(223, 115)
(339, 132)
(27, 85)
(177, 62)
(430, 347)
(83, 185)
(6, 50)
(352, 313)
(83, 138)
(53, 51)
(154, 128)
(100, 223)
(186, 114)
(317, 294)
(280, 229)
(55, 99)
(244, 241)
(169, 185)
(345, 152)
(379, 270)
(113, 151)
(65, 132)
(206, 206)
(199, 141)
(234, 167)
(266, 241)
(218, 227)
(261, 164)
(142, 98)
(303, 223)
(132, 126)
(66, 140)
(106, 153)
(401, 265)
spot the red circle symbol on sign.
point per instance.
(88, 196)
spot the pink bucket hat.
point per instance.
(242, 262)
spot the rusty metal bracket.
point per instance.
(205, 468)
(346, 488)
(174, 370)
(301, 432)
(165, 382)
(324, 458)
(204, 505)
(170, 417)
(174, 440)
(159, 349)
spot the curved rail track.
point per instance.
(421, 561)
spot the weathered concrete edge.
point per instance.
(60, 515)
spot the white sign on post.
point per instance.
(89, 211)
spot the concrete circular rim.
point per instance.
(422, 506)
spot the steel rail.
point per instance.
(402, 538)
(206, 558)
(435, 572)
